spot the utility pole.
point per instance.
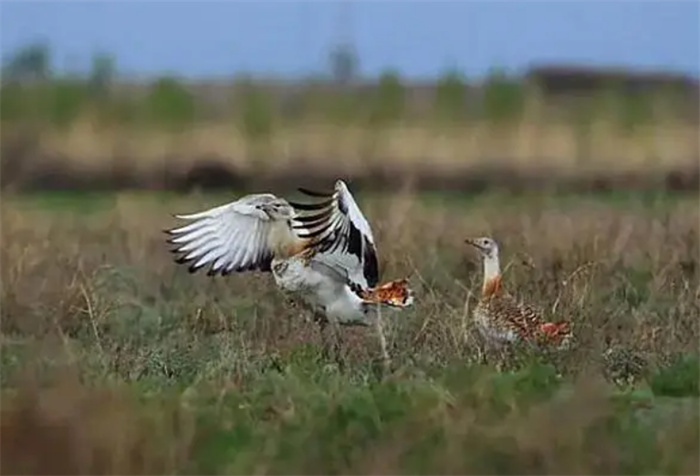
(343, 57)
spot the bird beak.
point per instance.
(473, 243)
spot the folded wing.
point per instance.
(345, 241)
(230, 238)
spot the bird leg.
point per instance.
(379, 324)
(330, 336)
(481, 348)
(481, 358)
(502, 362)
(507, 358)
(323, 330)
(496, 353)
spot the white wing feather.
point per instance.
(347, 243)
(354, 214)
(231, 237)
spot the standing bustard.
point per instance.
(323, 254)
(500, 318)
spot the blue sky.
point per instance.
(420, 39)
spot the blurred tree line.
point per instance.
(32, 92)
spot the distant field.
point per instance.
(164, 135)
(116, 361)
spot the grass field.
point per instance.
(65, 133)
(116, 361)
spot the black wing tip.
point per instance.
(311, 206)
(212, 272)
(182, 260)
(314, 193)
(371, 265)
(319, 217)
(264, 266)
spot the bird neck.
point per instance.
(492, 276)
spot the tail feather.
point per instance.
(556, 332)
(393, 293)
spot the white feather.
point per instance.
(233, 236)
(324, 291)
(344, 219)
(354, 214)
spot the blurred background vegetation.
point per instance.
(570, 117)
(32, 91)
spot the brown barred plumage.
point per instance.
(503, 319)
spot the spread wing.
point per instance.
(231, 237)
(345, 241)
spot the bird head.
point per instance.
(486, 246)
(279, 210)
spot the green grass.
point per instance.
(114, 361)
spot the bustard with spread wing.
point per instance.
(322, 253)
(503, 320)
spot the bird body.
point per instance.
(323, 253)
(502, 319)
(320, 290)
